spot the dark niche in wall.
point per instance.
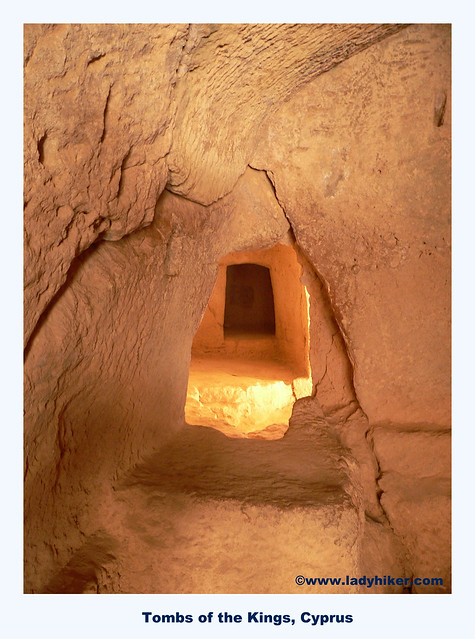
(249, 305)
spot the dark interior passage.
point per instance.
(249, 305)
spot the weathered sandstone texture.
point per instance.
(152, 153)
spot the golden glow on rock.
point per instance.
(246, 385)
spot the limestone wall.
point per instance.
(152, 151)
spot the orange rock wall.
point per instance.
(360, 160)
(347, 131)
(290, 304)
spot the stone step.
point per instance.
(211, 514)
(242, 396)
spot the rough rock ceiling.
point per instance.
(115, 113)
(232, 77)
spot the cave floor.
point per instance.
(210, 514)
(213, 514)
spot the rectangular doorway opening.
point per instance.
(250, 355)
(249, 301)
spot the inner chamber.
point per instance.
(250, 355)
(249, 306)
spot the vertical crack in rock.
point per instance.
(105, 114)
(341, 418)
(439, 109)
(123, 166)
(294, 233)
(41, 149)
(61, 446)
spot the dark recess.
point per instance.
(249, 306)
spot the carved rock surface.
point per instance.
(415, 470)
(360, 159)
(236, 75)
(153, 151)
(98, 114)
